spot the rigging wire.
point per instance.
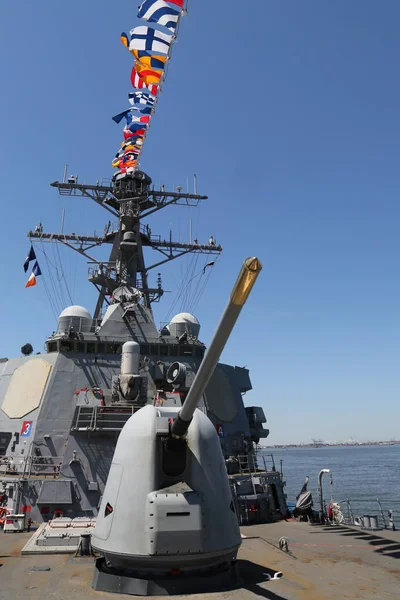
(52, 306)
(190, 299)
(180, 289)
(204, 282)
(200, 294)
(54, 290)
(58, 277)
(186, 280)
(73, 265)
(186, 296)
(198, 283)
(63, 275)
(51, 300)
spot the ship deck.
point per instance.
(324, 563)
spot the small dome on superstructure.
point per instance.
(74, 317)
(185, 318)
(184, 323)
(75, 311)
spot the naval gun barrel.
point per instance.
(241, 290)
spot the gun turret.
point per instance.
(241, 290)
(184, 519)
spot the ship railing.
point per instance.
(105, 182)
(354, 512)
(30, 465)
(109, 228)
(13, 465)
(101, 418)
(76, 326)
(145, 230)
(101, 271)
(267, 462)
(45, 466)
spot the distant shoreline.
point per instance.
(327, 445)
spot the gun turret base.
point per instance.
(223, 577)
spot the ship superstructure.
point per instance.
(62, 411)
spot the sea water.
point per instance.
(361, 474)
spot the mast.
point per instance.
(130, 199)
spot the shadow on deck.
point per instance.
(383, 545)
(252, 574)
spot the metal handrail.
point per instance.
(26, 464)
(100, 418)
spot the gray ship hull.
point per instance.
(59, 428)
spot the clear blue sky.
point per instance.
(289, 114)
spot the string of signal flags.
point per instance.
(150, 46)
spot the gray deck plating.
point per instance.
(55, 540)
(224, 580)
(324, 564)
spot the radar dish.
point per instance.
(125, 293)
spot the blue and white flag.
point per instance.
(118, 118)
(151, 40)
(143, 109)
(141, 98)
(158, 11)
(31, 256)
(135, 126)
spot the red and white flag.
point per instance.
(139, 83)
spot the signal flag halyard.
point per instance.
(150, 45)
(35, 273)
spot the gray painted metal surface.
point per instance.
(71, 434)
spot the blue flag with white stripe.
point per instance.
(31, 256)
(158, 11)
(149, 39)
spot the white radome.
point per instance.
(185, 318)
(184, 323)
(75, 311)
